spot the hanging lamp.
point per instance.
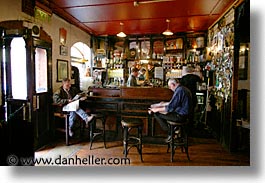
(167, 32)
(121, 34)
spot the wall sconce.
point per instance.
(121, 34)
(167, 32)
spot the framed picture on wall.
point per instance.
(62, 69)
(63, 50)
(243, 66)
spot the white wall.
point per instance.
(74, 34)
(7, 14)
(10, 10)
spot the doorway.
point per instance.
(26, 88)
(81, 66)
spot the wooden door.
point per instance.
(41, 92)
(26, 87)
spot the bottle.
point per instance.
(154, 55)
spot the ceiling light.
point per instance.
(121, 34)
(168, 32)
(137, 3)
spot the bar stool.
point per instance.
(59, 114)
(178, 132)
(94, 131)
(130, 140)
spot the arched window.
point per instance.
(81, 59)
(18, 68)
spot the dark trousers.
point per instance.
(172, 116)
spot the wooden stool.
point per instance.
(130, 140)
(66, 116)
(94, 131)
(60, 114)
(178, 132)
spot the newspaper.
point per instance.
(160, 105)
(80, 95)
(74, 105)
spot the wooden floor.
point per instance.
(202, 151)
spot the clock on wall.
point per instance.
(132, 53)
(35, 31)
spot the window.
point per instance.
(41, 70)
(18, 69)
(81, 59)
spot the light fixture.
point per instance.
(137, 3)
(167, 32)
(121, 34)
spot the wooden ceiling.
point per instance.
(103, 17)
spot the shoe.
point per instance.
(89, 119)
(71, 133)
(169, 138)
(177, 130)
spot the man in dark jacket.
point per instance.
(65, 95)
(190, 81)
(177, 109)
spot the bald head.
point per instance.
(173, 84)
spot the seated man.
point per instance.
(64, 95)
(176, 110)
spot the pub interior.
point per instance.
(43, 42)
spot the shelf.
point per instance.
(174, 49)
(100, 68)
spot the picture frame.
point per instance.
(63, 50)
(158, 47)
(191, 42)
(174, 44)
(62, 69)
(243, 66)
(145, 49)
(62, 35)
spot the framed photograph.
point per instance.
(171, 44)
(62, 69)
(145, 49)
(63, 50)
(158, 47)
(62, 35)
(191, 42)
(243, 66)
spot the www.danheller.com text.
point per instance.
(13, 160)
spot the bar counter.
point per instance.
(128, 102)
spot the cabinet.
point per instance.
(174, 57)
(115, 77)
(169, 53)
(195, 47)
